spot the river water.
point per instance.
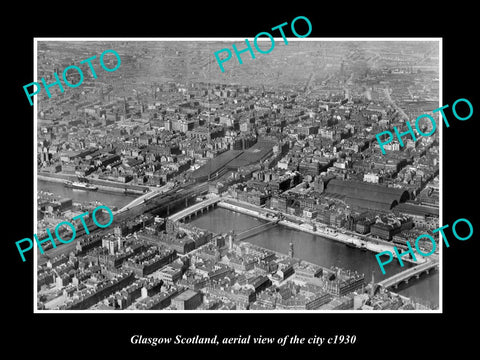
(307, 246)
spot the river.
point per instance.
(110, 199)
(318, 250)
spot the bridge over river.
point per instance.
(195, 209)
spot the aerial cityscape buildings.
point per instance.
(287, 139)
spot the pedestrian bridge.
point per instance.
(407, 275)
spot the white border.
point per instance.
(225, 39)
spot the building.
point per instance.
(259, 283)
(317, 300)
(422, 216)
(112, 244)
(364, 226)
(383, 231)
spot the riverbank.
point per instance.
(319, 230)
(102, 185)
